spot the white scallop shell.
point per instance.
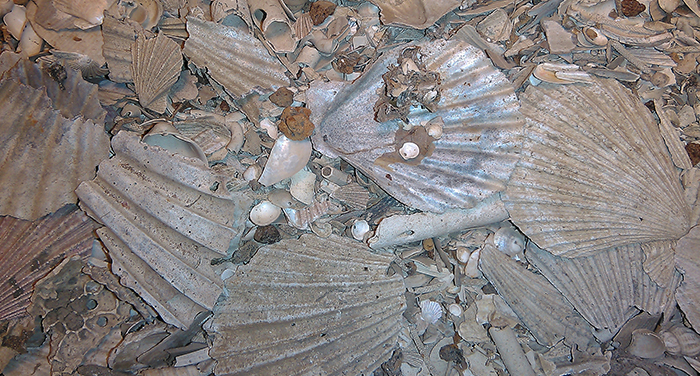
(329, 300)
(481, 134)
(155, 67)
(430, 311)
(595, 172)
(264, 213)
(118, 38)
(166, 216)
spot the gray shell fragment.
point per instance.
(167, 217)
(472, 160)
(308, 306)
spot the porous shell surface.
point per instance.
(308, 306)
(595, 172)
(44, 156)
(418, 14)
(166, 217)
(30, 249)
(233, 58)
(155, 67)
(481, 134)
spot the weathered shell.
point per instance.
(680, 340)
(308, 306)
(688, 293)
(45, 156)
(31, 249)
(353, 195)
(595, 172)
(418, 14)
(287, 157)
(264, 213)
(233, 58)
(646, 344)
(167, 216)
(118, 38)
(88, 10)
(431, 311)
(155, 67)
(481, 134)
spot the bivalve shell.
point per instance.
(155, 67)
(418, 14)
(264, 213)
(680, 340)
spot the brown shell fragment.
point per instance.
(156, 65)
(320, 10)
(295, 123)
(632, 8)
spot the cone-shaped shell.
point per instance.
(595, 172)
(155, 67)
(29, 250)
(167, 216)
(44, 155)
(233, 58)
(475, 155)
(308, 306)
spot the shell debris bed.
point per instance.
(298, 187)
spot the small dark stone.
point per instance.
(391, 367)
(452, 353)
(693, 150)
(320, 10)
(245, 252)
(224, 106)
(267, 234)
(632, 8)
(283, 97)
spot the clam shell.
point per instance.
(476, 153)
(167, 216)
(688, 293)
(418, 14)
(233, 58)
(595, 172)
(45, 156)
(308, 306)
(156, 65)
(118, 38)
(31, 249)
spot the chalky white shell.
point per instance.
(264, 213)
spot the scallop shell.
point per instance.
(353, 195)
(476, 153)
(45, 156)
(418, 14)
(595, 172)
(308, 306)
(606, 288)
(31, 249)
(156, 65)
(233, 58)
(167, 216)
(688, 293)
(118, 38)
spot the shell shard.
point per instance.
(473, 158)
(595, 172)
(688, 293)
(118, 37)
(233, 58)
(44, 156)
(156, 65)
(418, 14)
(167, 216)
(308, 306)
(31, 249)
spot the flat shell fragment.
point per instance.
(155, 67)
(308, 306)
(418, 14)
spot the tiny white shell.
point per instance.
(409, 150)
(455, 309)
(509, 241)
(264, 213)
(434, 127)
(359, 229)
(430, 311)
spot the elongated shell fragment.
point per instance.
(595, 172)
(167, 217)
(472, 159)
(308, 306)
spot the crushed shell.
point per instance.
(118, 37)
(418, 14)
(594, 152)
(308, 306)
(688, 293)
(156, 64)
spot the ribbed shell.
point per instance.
(659, 262)
(118, 38)
(167, 217)
(44, 156)
(29, 250)
(543, 309)
(606, 288)
(472, 160)
(308, 306)
(155, 67)
(595, 172)
(687, 261)
(353, 195)
(233, 58)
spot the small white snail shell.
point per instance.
(264, 213)
(455, 309)
(409, 150)
(430, 311)
(359, 229)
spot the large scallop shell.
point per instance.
(155, 67)
(595, 172)
(308, 306)
(29, 250)
(475, 155)
(167, 217)
(233, 58)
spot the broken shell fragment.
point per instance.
(646, 344)
(156, 65)
(418, 14)
(15, 21)
(409, 150)
(264, 213)
(680, 340)
(287, 157)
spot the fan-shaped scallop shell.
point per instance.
(44, 155)
(475, 155)
(233, 58)
(29, 250)
(595, 172)
(308, 306)
(155, 67)
(167, 217)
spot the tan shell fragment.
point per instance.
(118, 38)
(308, 306)
(167, 217)
(595, 172)
(688, 293)
(156, 65)
(419, 14)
